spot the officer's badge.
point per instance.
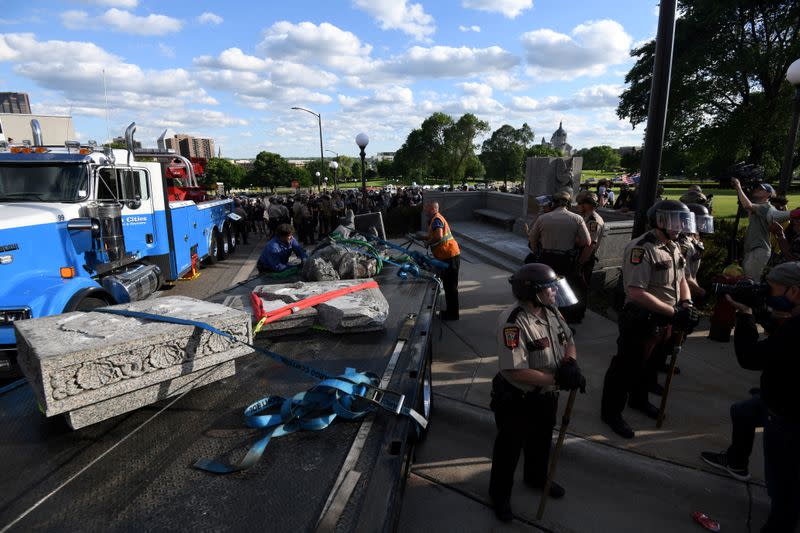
(562, 338)
(592, 226)
(511, 336)
(636, 255)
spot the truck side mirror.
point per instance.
(136, 203)
(83, 232)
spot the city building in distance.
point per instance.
(15, 103)
(189, 146)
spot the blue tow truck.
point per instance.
(82, 227)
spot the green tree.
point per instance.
(385, 169)
(601, 158)
(631, 161)
(270, 170)
(542, 150)
(423, 153)
(459, 145)
(473, 169)
(225, 171)
(503, 154)
(729, 100)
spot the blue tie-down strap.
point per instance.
(350, 395)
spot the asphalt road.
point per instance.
(236, 268)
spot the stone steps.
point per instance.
(489, 255)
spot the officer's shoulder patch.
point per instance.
(511, 336)
(592, 225)
(636, 255)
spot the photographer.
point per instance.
(757, 247)
(776, 407)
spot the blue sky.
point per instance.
(232, 70)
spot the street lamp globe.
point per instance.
(316, 174)
(792, 74)
(362, 140)
(334, 165)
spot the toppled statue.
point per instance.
(336, 258)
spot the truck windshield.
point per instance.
(44, 183)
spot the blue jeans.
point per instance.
(782, 470)
(746, 416)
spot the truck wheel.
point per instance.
(230, 240)
(213, 250)
(90, 303)
(221, 248)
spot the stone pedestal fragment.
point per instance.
(96, 365)
(364, 310)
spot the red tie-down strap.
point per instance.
(265, 317)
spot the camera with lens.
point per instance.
(749, 175)
(746, 292)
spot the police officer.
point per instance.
(562, 234)
(657, 297)
(587, 203)
(445, 248)
(537, 357)
(704, 223)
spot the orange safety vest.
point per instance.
(446, 247)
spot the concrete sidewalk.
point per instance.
(651, 483)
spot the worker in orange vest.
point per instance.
(445, 248)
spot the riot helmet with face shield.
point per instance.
(530, 280)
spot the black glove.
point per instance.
(568, 376)
(686, 318)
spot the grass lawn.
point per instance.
(725, 200)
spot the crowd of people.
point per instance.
(313, 215)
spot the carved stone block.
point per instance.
(81, 358)
(97, 412)
(364, 310)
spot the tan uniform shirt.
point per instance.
(559, 229)
(656, 267)
(525, 340)
(595, 225)
(691, 250)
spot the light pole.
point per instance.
(317, 175)
(362, 141)
(334, 166)
(793, 77)
(321, 156)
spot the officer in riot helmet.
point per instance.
(537, 358)
(561, 235)
(657, 300)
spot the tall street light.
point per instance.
(793, 76)
(334, 166)
(321, 156)
(362, 141)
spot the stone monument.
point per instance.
(547, 176)
(92, 366)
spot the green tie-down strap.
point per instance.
(291, 271)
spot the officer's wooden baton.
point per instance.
(673, 362)
(551, 469)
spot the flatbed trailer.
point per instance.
(135, 471)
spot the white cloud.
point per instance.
(596, 96)
(122, 21)
(476, 29)
(589, 51)
(449, 62)
(166, 51)
(325, 44)
(210, 18)
(130, 4)
(509, 8)
(399, 15)
(279, 73)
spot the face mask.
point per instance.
(780, 303)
